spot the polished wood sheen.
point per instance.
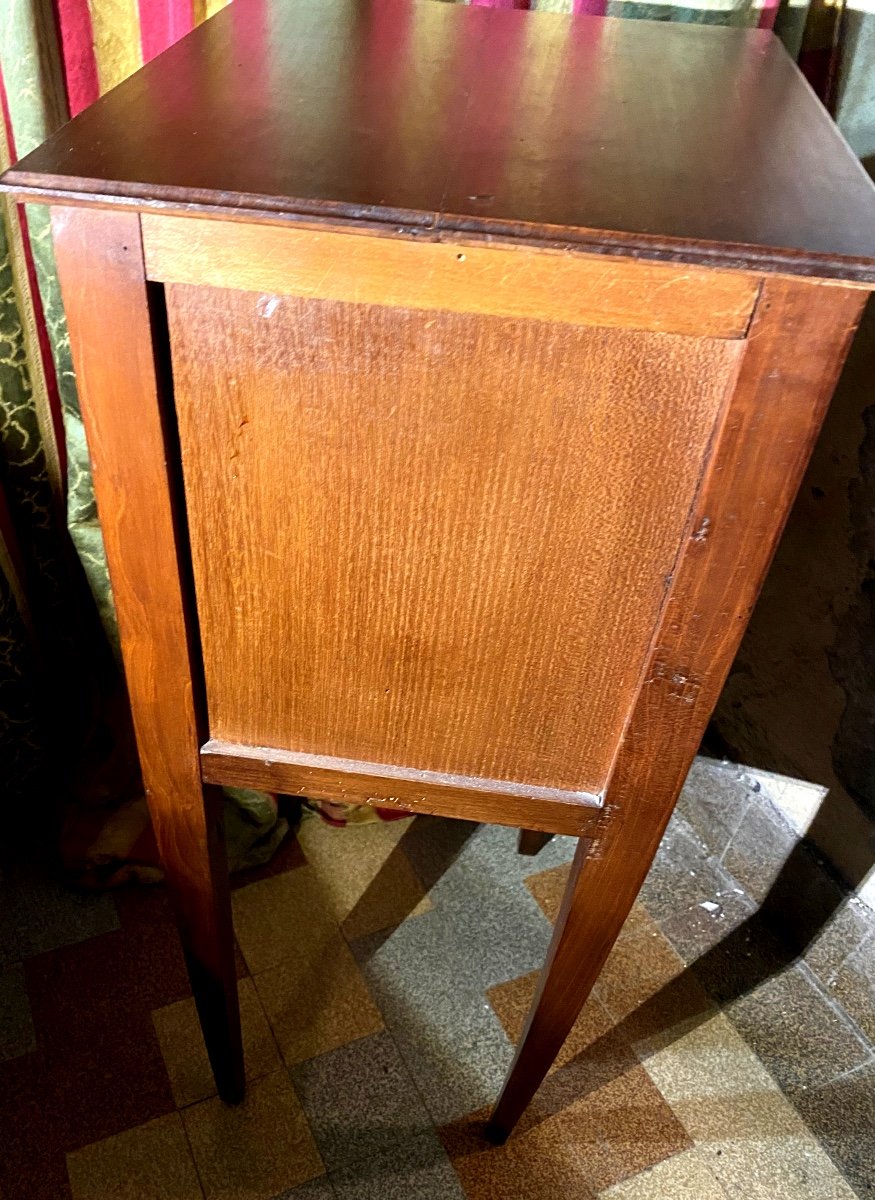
(672, 140)
(479, 518)
(423, 483)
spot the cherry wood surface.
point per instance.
(689, 142)
(117, 343)
(798, 342)
(407, 496)
(430, 539)
(548, 285)
(432, 793)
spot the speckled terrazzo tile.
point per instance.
(705, 924)
(365, 877)
(748, 956)
(281, 918)
(636, 1126)
(40, 914)
(713, 801)
(535, 1164)
(646, 988)
(185, 1055)
(853, 985)
(360, 1100)
(709, 1061)
(151, 1162)
(686, 1176)
(314, 1189)
(449, 859)
(481, 931)
(759, 849)
(849, 925)
(548, 888)
(316, 1003)
(454, 1047)
(416, 1169)
(842, 1115)
(801, 901)
(776, 1168)
(256, 1149)
(572, 1144)
(17, 1034)
(803, 1039)
(683, 875)
(512, 1001)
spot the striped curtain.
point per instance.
(65, 741)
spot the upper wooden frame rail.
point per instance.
(541, 285)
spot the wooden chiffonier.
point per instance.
(448, 375)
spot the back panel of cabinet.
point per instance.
(431, 539)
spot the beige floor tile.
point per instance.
(711, 1060)
(640, 964)
(317, 1002)
(512, 1001)
(253, 1150)
(151, 1162)
(364, 876)
(781, 1168)
(185, 1055)
(282, 917)
(684, 1177)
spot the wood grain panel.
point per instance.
(428, 539)
(322, 778)
(551, 286)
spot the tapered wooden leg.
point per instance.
(197, 878)
(532, 841)
(118, 340)
(797, 342)
(597, 900)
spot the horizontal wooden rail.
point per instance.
(346, 780)
(562, 286)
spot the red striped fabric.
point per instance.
(77, 50)
(163, 22)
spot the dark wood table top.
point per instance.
(674, 141)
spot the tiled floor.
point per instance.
(385, 970)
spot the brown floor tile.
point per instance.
(637, 1128)
(548, 888)
(365, 878)
(185, 1055)
(647, 989)
(254, 1150)
(532, 1166)
(512, 1000)
(315, 1005)
(589, 1139)
(151, 1162)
